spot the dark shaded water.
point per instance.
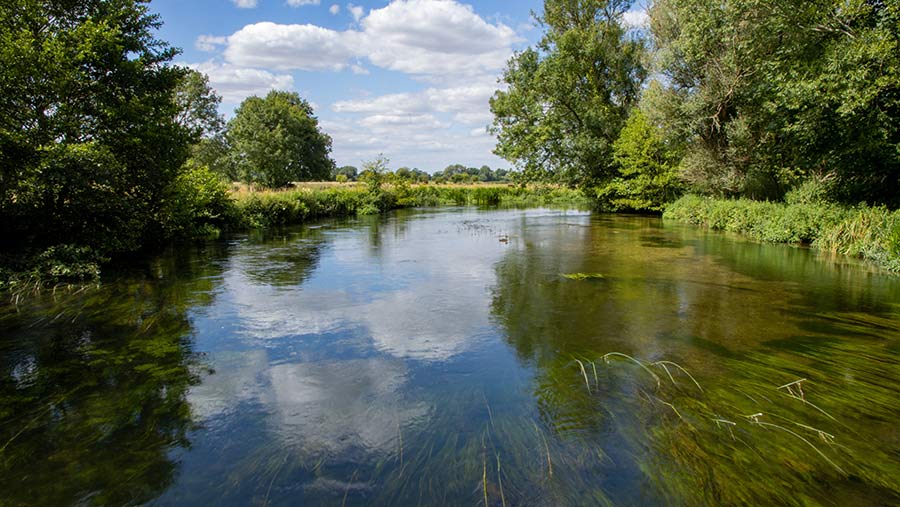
(459, 357)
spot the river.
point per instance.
(459, 356)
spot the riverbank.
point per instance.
(871, 233)
(204, 207)
(268, 208)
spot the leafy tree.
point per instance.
(213, 152)
(349, 172)
(375, 171)
(89, 141)
(843, 106)
(454, 169)
(411, 175)
(375, 174)
(276, 140)
(419, 175)
(198, 111)
(485, 174)
(568, 98)
(197, 105)
(404, 173)
(647, 169)
(768, 93)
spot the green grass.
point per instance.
(871, 233)
(275, 208)
(267, 208)
(204, 206)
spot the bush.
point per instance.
(270, 208)
(646, 178)
(198, 204)
(811, 191)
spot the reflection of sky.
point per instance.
(330, 407)
(322, 362)
(424, 296)
(339, 406)
(236, 380)
(328, 356)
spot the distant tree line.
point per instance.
(751, 98)
(457, 173)
(454, 173)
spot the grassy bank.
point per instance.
(871, 233)
(267, 208)
(201, 206)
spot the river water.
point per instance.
(459, 357)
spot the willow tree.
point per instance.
(767, 93)
(568, 97)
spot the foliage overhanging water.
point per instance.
(459, 357)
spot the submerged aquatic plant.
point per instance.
(714, 451)
(583, 276)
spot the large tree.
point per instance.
(198, 105)
(647, 179)
(88, 137)
(769, 92)
(276, 140)
(198, 111)
(568, 98)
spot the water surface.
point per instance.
(459, 357)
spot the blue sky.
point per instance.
(407, 78)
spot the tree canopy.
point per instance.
(770, 93)
(89, 141)
(276, 140)
(197, 105)
(568, 98)
(647, 178)
(750, 97)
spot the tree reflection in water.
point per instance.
(93, 387)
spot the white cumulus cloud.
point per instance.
(235, 83)
(245, 4)
(335, 9)
(469, 103)
(389, 122)
(210, 43)
(299, 3)
(283, 47)
(435, 40)
(430, 128)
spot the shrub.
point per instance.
(871, 233)
(199, 204)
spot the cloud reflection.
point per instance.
(341, 406)
(332, 408)
(409, 299)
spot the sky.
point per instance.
(409, 79)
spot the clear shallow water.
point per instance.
(443, 357)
